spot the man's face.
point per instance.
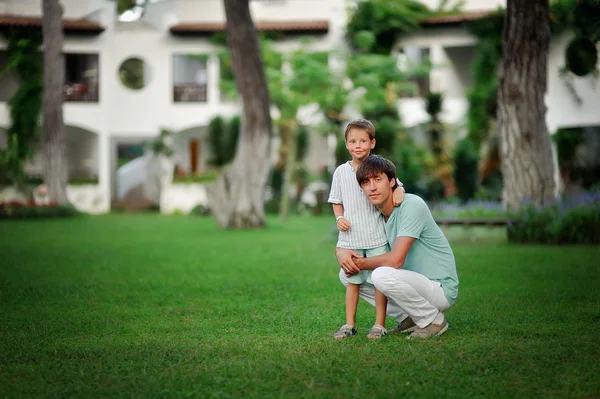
(378, 188)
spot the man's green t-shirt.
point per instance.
(430, 254)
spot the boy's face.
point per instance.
(359, 144)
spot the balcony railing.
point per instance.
(80, 92)
(189, 93)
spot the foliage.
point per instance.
(222, 138)
(126, 5)
(227, 83)
(205, 177)
(379, 81)
(411, 163)
(341, 152)
(162, 145)
(200, 210)
(484, 68)
(82, 181)
(574, 220)
(17, 210)
(302, 142)
(466, 161)
(25, 59)
(567, 141)
(378, 23)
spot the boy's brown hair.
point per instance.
(363, 124)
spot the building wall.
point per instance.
(452, 51)
(468, 5)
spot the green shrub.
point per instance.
(574, 220)
(466, 161)
(216, 131)
(15, 210)
(200, 210)
(206, 177)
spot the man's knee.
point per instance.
(383, 278)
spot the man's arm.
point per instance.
(347, 258)
(394, 258)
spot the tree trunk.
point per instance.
(528, 166)
(238, 197)
(53, 130)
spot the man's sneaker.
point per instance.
(430, 331)
(345, 331)
(405, 327)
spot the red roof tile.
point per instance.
(457, 18)
(264, 26)
(69, 25)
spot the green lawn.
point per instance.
(156, 306)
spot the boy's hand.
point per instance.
(343, 224)
(398, 196)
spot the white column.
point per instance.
(104, 175)
(439, 61)
(213, 72)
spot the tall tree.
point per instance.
(53, 130)
(528, 166)
(238, 198)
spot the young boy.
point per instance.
(359, 222)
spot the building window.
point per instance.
(190, 78)
(81, 77)
(134, 73)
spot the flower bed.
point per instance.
(573, 220)
(469, 210)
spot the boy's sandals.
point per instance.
(345, 331)
(377, 331)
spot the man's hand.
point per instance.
(344, 224)
(359, 262)
(398, 196)
(345, 258)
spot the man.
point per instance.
(418, 275)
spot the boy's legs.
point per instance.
(367, 292)
(418, 297)
(381, 301)
(353, 284)
(351, 303)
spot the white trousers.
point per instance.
(410, 294)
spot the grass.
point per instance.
(156, 306)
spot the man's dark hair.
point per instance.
(373, 166)
(363, 124)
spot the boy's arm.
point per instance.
(343, 224)
(398, 195)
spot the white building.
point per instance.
(181, 92)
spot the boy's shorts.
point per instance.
(365, 275)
